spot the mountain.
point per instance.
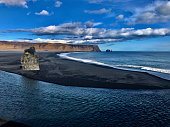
(21, 46)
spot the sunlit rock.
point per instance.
(30, 60)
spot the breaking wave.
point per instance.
(65, 55)
(166, 71)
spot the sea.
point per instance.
(41, 104)
(156, 63)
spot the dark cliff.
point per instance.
(21, 46)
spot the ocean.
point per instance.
(42, 104)
(156, 63)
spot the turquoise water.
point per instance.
(41, 104)
(156, 63)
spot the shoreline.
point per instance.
(54, 69)
(88, 61)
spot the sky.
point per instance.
(120, 25)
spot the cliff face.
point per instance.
(21, 46)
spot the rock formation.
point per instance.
(30, 59)
(108, 50)
(21, 46)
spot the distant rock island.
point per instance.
(108, 50)
(30, 60)
(21, 46)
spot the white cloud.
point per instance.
(82, 34)
(28, 13)
(119, 17)
(101, 11)
(157, 12)
(164, 9)
(22, 3)
(95, 1)
(58, 3)
(43, 12)
(39, 40)
(90, 24)
(97, 23)
(101, 1)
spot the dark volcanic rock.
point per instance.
(30, 60)
(108, 50)
(31, 50)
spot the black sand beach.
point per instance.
(61, 71)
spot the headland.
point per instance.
(21, 46)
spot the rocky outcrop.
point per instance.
(30, 60)
(108, 50)
(21, 46)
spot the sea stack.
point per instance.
(30, 60)
(108, 50)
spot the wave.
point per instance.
(166, 71)
(65, 55)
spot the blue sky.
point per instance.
(120, 25)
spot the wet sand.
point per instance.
(66, 72)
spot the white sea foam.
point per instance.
(166, 71)
(65, 55)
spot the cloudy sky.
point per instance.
(121, 25)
